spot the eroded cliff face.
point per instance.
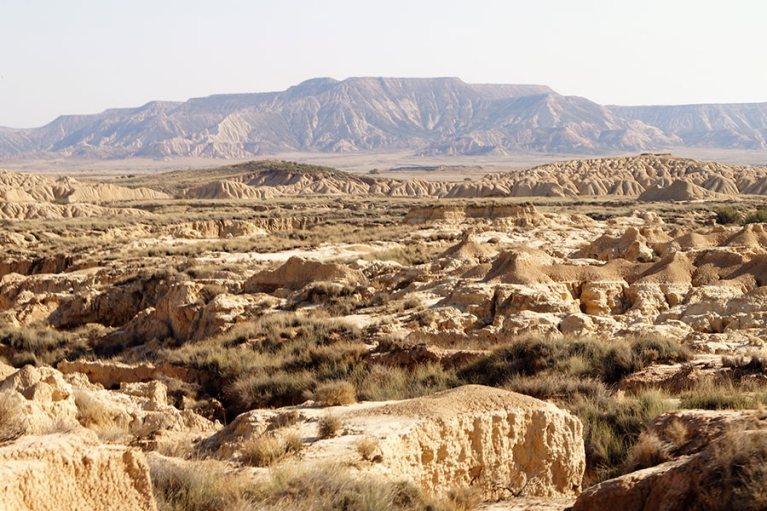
(70, 471)
(496, 441)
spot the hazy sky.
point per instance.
(83, 56)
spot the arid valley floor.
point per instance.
(273, 335)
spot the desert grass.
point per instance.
(277, 360)
(332, 487)
(654, 448)
(334, 393)
(384, 383)
(367, 447)
(208, 486)
(45, 345)
(268, 449)
(606, 361)
(723, 395)
(199, 486)
(735, 476)
(329, 426)
(611, 428)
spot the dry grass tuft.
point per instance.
(268, 449)
(367, 447)
(328, 426)
(335, 393)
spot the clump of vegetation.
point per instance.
(265, 450)
(655, 448)
(367, 447)
(328, 426)
(735, 477)
(757, 217)
(277, 360)
(201, 486)
(612, 426)
(604, 361)
(44, 345)
(335, 393)
(720, 395)
(383, 383)
(728, 215)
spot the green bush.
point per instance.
(757, 217)
(728, 215)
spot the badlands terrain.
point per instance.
(271, 335)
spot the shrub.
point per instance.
(335, 393)
(612, 426)
(201, 486)
(43, 345)
(604, 361)
(261, 451)
(367, 447)
(728, 215)
(383, 383)
(332, 487)
(267, 449)
(735, 477)
(464, 498)
(717, 396)
(757, 217)
(328, 426)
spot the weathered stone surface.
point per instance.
(64, 472)
(495, 440)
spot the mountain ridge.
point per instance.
(428, 116)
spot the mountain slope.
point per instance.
(423, 115)
(741, 126)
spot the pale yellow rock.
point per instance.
(473, 435)
(603, 298)
(67, 472)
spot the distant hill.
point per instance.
(648, 177)
(423, 115)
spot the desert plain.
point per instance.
(281, 335)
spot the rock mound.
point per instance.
(297, 272)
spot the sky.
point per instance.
(62, 57)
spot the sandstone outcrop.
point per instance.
(492, 439)
(64, 471)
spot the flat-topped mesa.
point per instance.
(522, 215)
